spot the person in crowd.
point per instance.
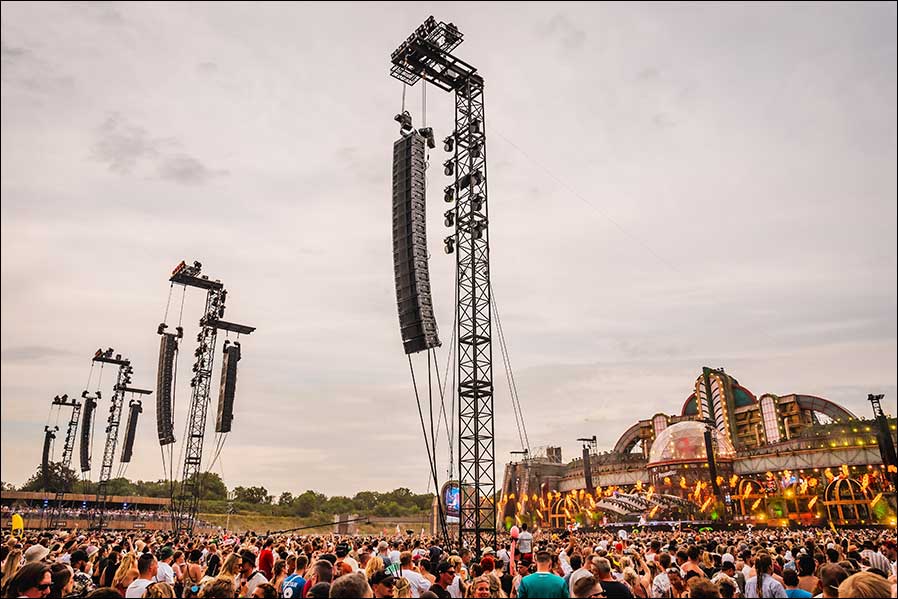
(382, 584)
(445, 577)
(351, 585)
(147, 568)
(831, 576)
(702, 588)
(864, 585)
(63, 580)
(296, 581)
(160, 590)
(587, 587)
(249, 577)
(265, 590)
(33, 580)
(543, 583)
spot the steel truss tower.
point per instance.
(426, 54)
(68, 449)
(186, 503)
(113, 423)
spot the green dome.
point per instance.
(743, 397)
(690, 408)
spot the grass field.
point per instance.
(262, 524)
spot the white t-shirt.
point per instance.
(165, 573)
(254, 581)
(417, 583)
(394, 556)
(525, 542)
(136, 589)
(454, 589)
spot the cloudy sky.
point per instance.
(670, 187)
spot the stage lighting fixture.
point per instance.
(65, 397)
(427, 134)
(475, 150)
(474, 126)
(197, 265)
(162, 326)
(449, 167)
(477, 202)
(449, 244)
(405, 120)
(449, 193)
(449, 217)
(449, 143)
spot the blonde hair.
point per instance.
(630, 575)
(11, 565)
(374, 564)
(487, 579)
(230, 568)
(403, 588)
(865, 584)
(129, 563)
(159, 590)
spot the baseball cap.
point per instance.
(381, 577)
(444, 567)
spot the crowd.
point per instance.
(641, 563)
(85, 513)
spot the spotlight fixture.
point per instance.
(477, 202)
(449, 193)
(449, 217)
(475, 150)
(449, 167)
(449, 244)
(427, 133)
(405, 120)
(474, 126)
(449, 143)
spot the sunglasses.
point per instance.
(44, 587)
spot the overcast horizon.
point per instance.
(671, 187)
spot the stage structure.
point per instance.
(884, 439)
(186, 499)
(68, 449)
(113, 423)
(427, 54)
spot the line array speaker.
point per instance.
(87, 421)
(168, 348)
(135, 409)
(417, 323)
(49, 435)
(227, 388)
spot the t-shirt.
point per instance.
(266, 562)
(164, 573)
(253, 581)
(770, 586)
(615, 590)
(293, 585)
(439, 591)
(543, 584)
(213, 563)
(417, 583)
(525, 542)
(798, 594)
(137, 588)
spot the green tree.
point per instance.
(257, 495)
(286, 498)
(308, 502)
(59, 479)
(121, 486)
(212, 487)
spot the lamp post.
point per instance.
(230, 509)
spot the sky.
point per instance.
(671, 186)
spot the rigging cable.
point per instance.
(426, 443)
(509, 374)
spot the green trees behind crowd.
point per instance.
(256, 499)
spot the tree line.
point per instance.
(216, 499)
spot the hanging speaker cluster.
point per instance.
(87, 420)
(134, 410)
(228, 387)
(168, 349)
(417, 323)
